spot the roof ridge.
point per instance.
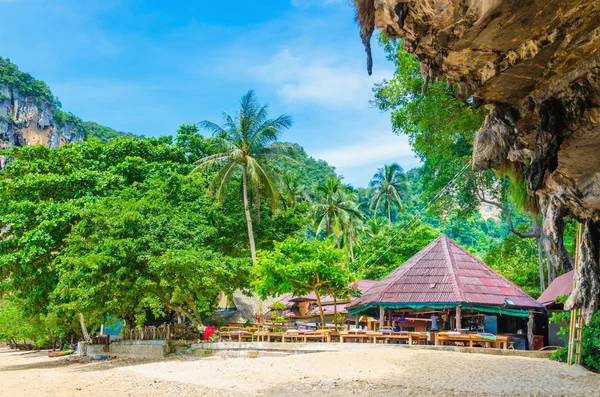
(451, 264)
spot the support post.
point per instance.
(530, 325)
(381, 316)
(458, 317)
(356, 321)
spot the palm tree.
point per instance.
(335, 209)
(375, 227)
(390, 184)
(247, 142)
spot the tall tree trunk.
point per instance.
(535, 227)
(389, 208)
(247, 210)
(541, 264)
(320, 309)
(86, 335)
(350, 242)
(257, 197)
(328, 224)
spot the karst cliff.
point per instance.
(535, 65)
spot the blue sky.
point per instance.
(149, 66)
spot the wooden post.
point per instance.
(458, 317)
(530, 325)
(381, 316)
(356, 321)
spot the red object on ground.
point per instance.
(208, 331)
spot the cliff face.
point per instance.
(28, 120)
(536, 65)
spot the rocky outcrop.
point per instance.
(31, 120)
(536, 65)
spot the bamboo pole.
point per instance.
(576, 323)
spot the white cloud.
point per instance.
(375, 149)
(318, 79)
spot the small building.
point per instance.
(561, 286)
(447, 284)
(304, 309)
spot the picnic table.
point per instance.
(409, 337)
(239, 334)
(305, 336)
(498, 341)
(362, 336)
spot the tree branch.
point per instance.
(532, 234)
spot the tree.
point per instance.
(247, 142)
(300, 267)
(383, 252)
(390, 184)
(144, 249)
(335, 208)
(516, 259)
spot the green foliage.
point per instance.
(387, 249)
(439, 127)
(11, 76)
(517, 260)
(590, 347)
(299, 267)
(94, 130)
(188, 138)
(390, 186)
(147, 248)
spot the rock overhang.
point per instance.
(536, 65)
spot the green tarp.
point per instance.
(440, 306)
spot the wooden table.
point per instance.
(409, 337)
(367, 336)
(304, 337)
(471, 339)
(240, 334)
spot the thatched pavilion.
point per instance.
(445, 279)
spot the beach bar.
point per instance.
(467, 302)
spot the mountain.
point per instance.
(31, 115)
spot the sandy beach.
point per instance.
(404, 372)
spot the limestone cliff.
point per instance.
(27, 120)
(29, 113)
(536, 65)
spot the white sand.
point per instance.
(394, 372)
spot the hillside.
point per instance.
(31, 115)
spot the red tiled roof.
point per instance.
(444, 272)
(561, 286)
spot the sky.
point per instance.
(147, 67)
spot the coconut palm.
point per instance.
(247, 142)
(335, 208)
(390, 184)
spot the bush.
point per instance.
(590, 348)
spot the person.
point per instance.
(396, 327)
(434, 322)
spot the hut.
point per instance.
(304, 309)
(561, 286)
(445, 280)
